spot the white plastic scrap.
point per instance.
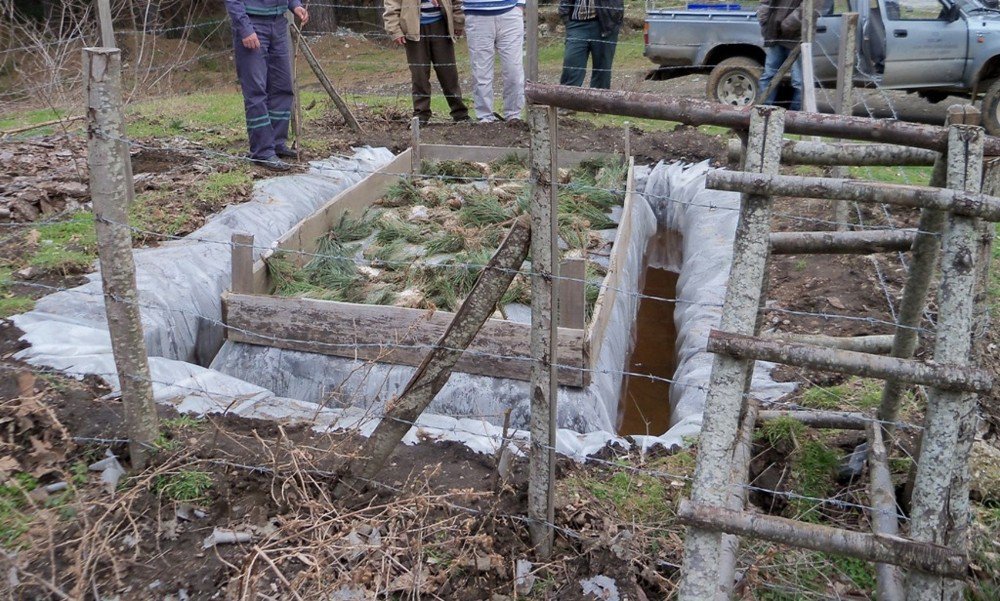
(601, 587)
(223, 536)
(111, 471)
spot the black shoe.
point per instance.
(283, 152)
(465, 119)
(273, 163)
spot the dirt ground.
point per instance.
(435, 524)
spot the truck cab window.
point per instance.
(915, 10)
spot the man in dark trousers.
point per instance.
(263, 64)
(427, 29)
(781, 26)
(591, 31)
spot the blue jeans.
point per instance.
(583, 41)
(774, 57)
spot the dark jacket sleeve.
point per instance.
(241, 22)
(566, 8)
(611, 14)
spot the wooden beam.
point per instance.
(882, 548)
(831, 154)
(830, 243)
(830, 420)
(693, 111)
(389, 334)
(415, 146)
(951, 377)
(959, 202)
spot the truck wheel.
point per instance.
(991, 109)
(734, 81)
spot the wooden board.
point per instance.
(390, 335)
(612, 281)
(302, 238)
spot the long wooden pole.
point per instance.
(889, 579)
(433, 373)
(843, 101)
(111, 190)
(531, 40)
(693, 111)
(805, 152)
(724, 402)
(324, 81)
(107, 30)
(544, 327)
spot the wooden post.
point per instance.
(572, 294)
(730, 544)
(107, 30)
(415, 146)
(324, 81)
(433, 373)
(860, 242)
(242, 264)
(843, 101)
(111, 188)
(724, 402)
(544, 326)
(804, 152)
(782, 72)
(947, 436)
(531, 40)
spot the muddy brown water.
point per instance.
(645, 402)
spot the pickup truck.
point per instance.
(934, 48)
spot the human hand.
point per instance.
(401, 40)
(251, 42)
(302, 14)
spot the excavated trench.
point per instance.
(679, 246)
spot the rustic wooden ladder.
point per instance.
(934, 554)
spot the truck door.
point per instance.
(923, 47)
(827, 40)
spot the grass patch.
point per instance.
(917, 176)
(14, 522)
(857, 394)
(66, 246)
(185, 485)
(783, 432)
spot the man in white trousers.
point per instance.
(495, 27)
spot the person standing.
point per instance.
(264, 67)
(496, 27)
(591, 32)
(428, 28)
(781, 26)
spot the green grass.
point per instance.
(781, 432)
(814, 469)
(66, 246)
(14, 522)
(16, 120)
(917, 176)
(856, 394)
(184, 485)
(10, 303)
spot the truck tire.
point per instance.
(734, 81)
(991, 109)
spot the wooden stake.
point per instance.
(949, 425)
(107, 29)
(889, 580)
(832, 420)
(345, 110)
(878, 344)
(431, 376)
(544, 324)
(724, 402)
(782, 72)
(531, 40)
(742, 455)
(293, 37)
(627, 144)
(572, 294)
(843, 101)
(242, 264)
(111, 189)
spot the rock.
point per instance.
(419, 213)
(455, 203)
(854, 464)
(600, 587)
(984, 472)
(524, 580)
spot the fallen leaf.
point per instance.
(836, 302)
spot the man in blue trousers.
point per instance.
(591, 32)
(263, 64)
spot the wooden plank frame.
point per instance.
(404, 336)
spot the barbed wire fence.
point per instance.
(492, 419)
